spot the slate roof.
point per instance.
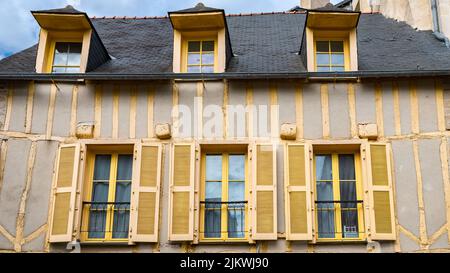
(264, 43)
(66, 10)
(198, 8)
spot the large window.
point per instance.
(106, 212)
(330, 56)
(66, 58)
(224, 202)
(200, 57)
(339, 207)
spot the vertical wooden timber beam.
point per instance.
(98, 110)
(250, 110)
(20, 220)
(199, 117)
(443, 149)
(396, 99)
(225, 108)
(379, 108)
(325, 111)
(3, 151)
(51, 111)
(9, 104)
(73, 111)
(29, 114)
(397, 245)
(422, 220)
(175, 114)
(414, 107)
(352, 109)
(274, 119)
(50, 206)
(299, 110)
(150, 110)
(115, 114)
(133, 105)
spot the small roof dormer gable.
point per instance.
(68, 42)
(201, 40)
(330, 40)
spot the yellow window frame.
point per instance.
(51, 52)
(84, 236)
(333, 39)
(337, 197)
(199, 37)
(224, 212)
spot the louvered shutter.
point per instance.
(146, 188)
(298, 192)
(181, 199)
(64, 193)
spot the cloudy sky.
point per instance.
(18, 30)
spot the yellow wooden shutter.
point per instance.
(381, 194)
(145, 199)
(298, 192)
(264, 192)
(181, 199)
(64, 191)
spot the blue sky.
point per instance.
(18, 30)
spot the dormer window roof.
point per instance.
(68, 42)
(201, 40)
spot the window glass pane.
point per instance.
(323, 46)
(337, 59)
(236, 167)
(193, 58)
(74, 54)
(61, 52)
(124, 167)
(102, 167)
(349, 210)
(208, 58)
(59, 70)
(346, 167)
(208, 69)
(208, 46)
(193, 69)
(236, 191)
(337, 46)
(323, 167)
(325, 210)
(121, 210)
(97, 220)
(323, 69)
(213, 210)
(338, 69)
(72, 69)
(100, 191)
(194, 47)
(123, 192)
(236, 211)
(214, 168)
(323, 59)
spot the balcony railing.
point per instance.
(105, 220)
(213, 216)
(348, 213)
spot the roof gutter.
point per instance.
(228, 75)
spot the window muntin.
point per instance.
(107, 213)
(200, 56)
(66, 57)
(339, 207)
(224, 204)
(330, 56)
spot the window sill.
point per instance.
(342, 241)
(223, 241)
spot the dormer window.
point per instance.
(330, 40)
(201, 56)
(66, 57)
(68, 42)
(201, 40)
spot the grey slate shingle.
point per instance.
(261, 43)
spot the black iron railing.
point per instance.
(350, 213)
(102, 220)
(235, 217)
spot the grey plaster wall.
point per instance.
(107, 111)
(405, 107)
(388, 109)
(163, 103)
(286, 98)
(19, 107)
(3, 102)
(63, 102)
(142, 121)
(312, 112)
(124, 112)
(339, 111)
(365, 103)
(237, 96)
(427, 106)
(41, 101)
(213, 102)
(261, 118)
(85, 104)
(187, 92)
